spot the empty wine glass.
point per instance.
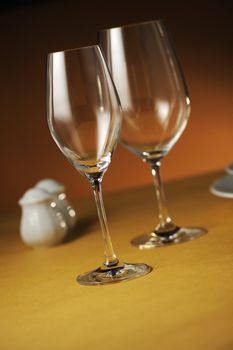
(155, 106)
(84, 119)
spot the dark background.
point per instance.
(203, 35)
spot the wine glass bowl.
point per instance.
(153, 95)
(155, 105)
(80, 117)
(84, 118)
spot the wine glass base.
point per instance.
(119, 273)
(178, 235)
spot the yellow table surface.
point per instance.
(185, 303)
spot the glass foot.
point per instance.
(178, 235)
(119, 273)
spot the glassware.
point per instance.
(84, 119)
(155, 106)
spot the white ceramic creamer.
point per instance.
(41, 224)
(57, 190)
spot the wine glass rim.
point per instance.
(75, 49)
(134, 24)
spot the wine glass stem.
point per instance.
(165, 222)
(110, 258)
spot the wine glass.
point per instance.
(155, 105)
(84, 118)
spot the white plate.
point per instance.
(229, 169)
(223, 187)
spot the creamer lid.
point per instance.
(34, 195)
(50, 186)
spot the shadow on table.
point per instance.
(81, 228)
